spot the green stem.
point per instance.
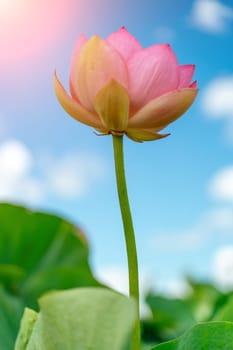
(129, 233)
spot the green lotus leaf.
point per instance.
(82, 318)
(203, 336)
(38, 252)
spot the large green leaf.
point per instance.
(26, 328)
(207, 300)
(11, 308)
(38, 252)
(83, 319)
(173, 316)
(226, 312)
(203, 336)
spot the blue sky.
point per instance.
(181, 187)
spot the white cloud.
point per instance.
(217, 102)
(217, 99)
(183, 240)
(221, 185)
(15, 159)
(176, 287)
(211, 15)
(213, 221)
(223, 267)
(219, 220)
(116, 277)
(73, 175)
(66, 177)
(16, 163)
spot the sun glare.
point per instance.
(27, 27)
(6, 3)
(10, 7)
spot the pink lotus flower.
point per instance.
(118, 87)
